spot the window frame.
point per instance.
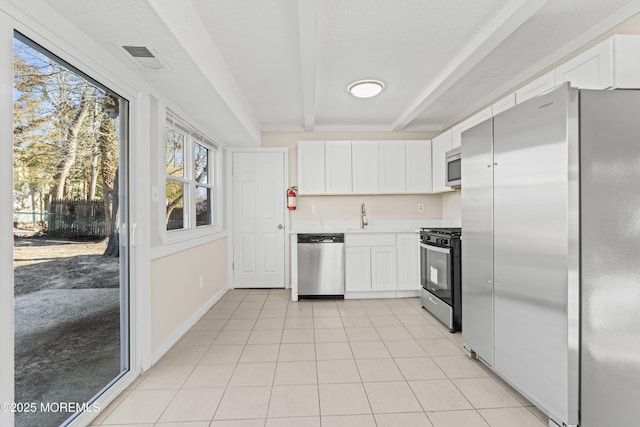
(192, 137)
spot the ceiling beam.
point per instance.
(308, 25)
(183, 21)
(512, 16)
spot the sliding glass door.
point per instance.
(71, 268)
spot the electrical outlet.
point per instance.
(202, 281)
(314, 209)
(420, 207)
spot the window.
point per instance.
(191, 177)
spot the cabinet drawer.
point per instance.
(439, 309)
(370, 239)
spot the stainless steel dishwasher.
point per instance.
(321, 265)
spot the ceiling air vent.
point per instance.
(145, 57)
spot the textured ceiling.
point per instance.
(240, 67)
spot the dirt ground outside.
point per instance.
(67, 324)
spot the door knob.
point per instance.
(279, 226)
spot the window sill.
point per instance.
(182, 241)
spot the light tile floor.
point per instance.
(256, 359)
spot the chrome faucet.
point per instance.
(363, 217)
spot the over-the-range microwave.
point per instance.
(454, 168)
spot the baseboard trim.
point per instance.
(182, 329)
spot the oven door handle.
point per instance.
(436, 248)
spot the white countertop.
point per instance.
(381, 226)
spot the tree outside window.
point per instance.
(190, 183)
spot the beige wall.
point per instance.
(452, 205)
(348, 207)
(175, 291)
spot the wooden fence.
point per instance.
(77, 219)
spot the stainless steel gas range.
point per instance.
(440, 271)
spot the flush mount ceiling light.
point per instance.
(365, 88)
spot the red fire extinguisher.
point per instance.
(292, 193)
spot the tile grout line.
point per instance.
(370, 310)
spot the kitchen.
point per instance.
(394, 216)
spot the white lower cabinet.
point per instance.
(381, 265)
(408, 246)
(383, 268)
(357, 269)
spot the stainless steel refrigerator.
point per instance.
(551, 253)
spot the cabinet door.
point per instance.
(477, 238)
(536, 87)
(311, 167)
(592, 69)
(456, 131)
(479, 117)
(408, 262)
(364, 162)
(338, 167)
(439, 146)
(418, 166)
(357, 269)
(391, 158)
(503, 104)
(626, 58)
(383, 268)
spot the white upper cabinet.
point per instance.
(593, 69)
(456, 134)
(626, 61)
(614, 63)
(364, 162)
(479, 117)
(365, 167)
(418, 166)
(503, 104)
(456, 131)
(391, 161)
(338, 167)
(311, 167)
(439, 146)
(536, 87)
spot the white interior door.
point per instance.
(259, 215)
